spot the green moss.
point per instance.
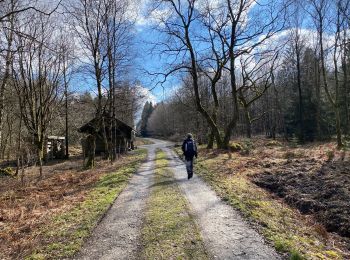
(169, 231)
(235, 147)
(8, 171)
(332, 254)
(36, 256)
(274, 143)
(68, 230)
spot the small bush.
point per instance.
(273, 143)
(281, 246)
(293, 142)
(295, 255)
(289, 155)
(330, 155)
(235, 147)
(6, 172)
(247, 147)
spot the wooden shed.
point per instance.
(122, 132)
(55, 147)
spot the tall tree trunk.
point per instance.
(111, 80)
(66, 109)
(40, 159)
(334, 102)
(100, 114)
(247, 120)
(234, 99)
(276, 107)
(337, 85)
(233, 121)
(318, 98)
(211, 138)
(22, 169)
(301, 119)
(338, 128)
(10, 137)
(200, 108)
(90, 146)
(19, 147)
(6, 75)
(344, 54)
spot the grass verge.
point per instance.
(169, 231)
(65, 234)
(297, 235)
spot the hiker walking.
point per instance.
(189, 150)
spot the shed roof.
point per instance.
(90, 126)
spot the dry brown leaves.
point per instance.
(26, 209)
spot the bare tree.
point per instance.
(90, 26)
(37, 72)
(7, 28)
(118, 42)
(344, 9)
(18, 7)
(320, 12)
(256, 79)
(237, 36)
(297, 45)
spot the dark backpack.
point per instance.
(190, 148)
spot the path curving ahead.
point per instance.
(226, 235)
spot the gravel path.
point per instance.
(225, 234)
(118, 234)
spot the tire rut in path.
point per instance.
(225, 233)
(117, 236)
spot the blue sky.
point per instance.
(149, 61)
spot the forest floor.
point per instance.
(298, 195)
(50, 218)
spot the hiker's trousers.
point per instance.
(189, 166)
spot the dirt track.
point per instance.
(118, 234)
(225, 233)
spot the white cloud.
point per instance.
(146, 95)
(154, 17)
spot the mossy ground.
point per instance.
(169, 231)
